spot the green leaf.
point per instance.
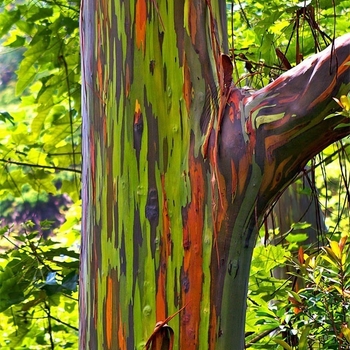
(282, 343)
(264, 311)
(51, 290)
(7, 20)
(296, 296)
(19, 42)
(69, 307)
(70, 281)
(4, 230)
(27, 74)
(5, 116)
(297, 237)
(303, 340)
(16, 338)
(300, 225)
(27, 71)
(60, 252)
(342, 125)
(41, 12)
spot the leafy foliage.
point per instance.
(320, 310)
(41, 144)
(40, 153)
(38, 284)
(267, 296)
(309, 310)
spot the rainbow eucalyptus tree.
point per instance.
(180, 167)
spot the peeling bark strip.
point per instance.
(179, 167)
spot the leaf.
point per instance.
(346, 332)
(345, 102)
(7, 20)
(297, 237)
(330, 257)
(70, 281)
(342, 242)
(332, 115)
(342, 125)
(52, 291)
(300, 225)
(266, 312)
(19, 42)
(60, 252)
(4, 230)
(18, 336)
(41, 12)
(303, 340)
(282, 343)
(5, 116)
(70, 307)
(295, 296)
(26, 72)
(162, 337)
(335, 249)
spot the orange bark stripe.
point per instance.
(192, 279)
(121, 333)
(160, 298)
(193, 21)
(140, 23)
(109, 312)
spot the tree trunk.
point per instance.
(179, 168)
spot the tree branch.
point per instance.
(287, 117)
(9, 161)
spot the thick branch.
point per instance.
(288, 116)
(263, 141)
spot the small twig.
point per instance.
(259, 337)
(64, 323)
(9, 161)
(49, 328)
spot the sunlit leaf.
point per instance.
(335, 249)
(297, 237)
(346, 332)
(300, 225)
(282, 343)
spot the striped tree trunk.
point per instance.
(179, 167)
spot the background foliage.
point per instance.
(40, 181)
(40, 174)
